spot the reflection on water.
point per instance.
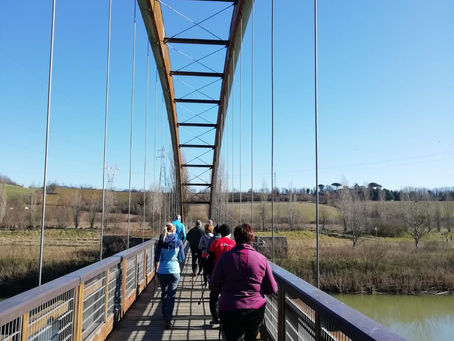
(417, 318)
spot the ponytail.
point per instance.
(169, 229)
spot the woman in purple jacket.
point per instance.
(243, 277)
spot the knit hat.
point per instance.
(225, 230)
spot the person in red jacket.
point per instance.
(217, 248)
(243, 277)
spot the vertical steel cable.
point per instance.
(132, 120)
(161, 196)
(233, 140)
(252, 118)
(241, 108)
(146, 142)
(272, 130)
(106, 113)
(317, 246)
(46, 149)
(155, 147)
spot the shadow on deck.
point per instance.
(144, 321)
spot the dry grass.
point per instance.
(19, 264)
(375, 265)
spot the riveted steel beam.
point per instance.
(196, 165)
(196, 41)
(204, 125)
(196, 100)
(197, 184)
(196, 74)
(186, 145)
(154, 24)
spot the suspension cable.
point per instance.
(233, 139)
(317, 201)
(161, 195)
(146, 142)
(46, 150)
(155, 147)
(106, 113)
(272, 130)
(252, 117)
(241, 108)
(227, 158)
(132, 121)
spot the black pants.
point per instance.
(238, 323)
(196, 257)
(214, 298)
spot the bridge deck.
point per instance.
(143, 321)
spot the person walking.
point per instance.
(181, 229)
(243, 277)
(193, 237)
(217, 248)
(169, 254)
(203, 249)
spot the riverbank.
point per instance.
(375, 265)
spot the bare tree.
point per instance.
(415, 216)
(93, 207)
(323, 216)
(2, 204)
(447, 210)
(32, 205)
(263, 199)
(354, 213)
(291, 208)
(436, 215)
(76, 207)
(344, 199)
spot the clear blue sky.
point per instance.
(386, 85)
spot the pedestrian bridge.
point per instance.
(118, 299)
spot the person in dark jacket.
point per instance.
(193, 237)
(243, 277)
(169, 254)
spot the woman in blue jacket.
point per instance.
(169, 254)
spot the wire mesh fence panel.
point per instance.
(271, 316)
(94, 304)
(149, 251)
(11, 331)
(114, 298)
(332, 333)
(53, 320)
(140, 269)
(131, 275)
(299, 320)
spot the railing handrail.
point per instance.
(359, 326)
(20, 304)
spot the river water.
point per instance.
(417, 318)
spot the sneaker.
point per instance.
(214, 321)
(168, 324)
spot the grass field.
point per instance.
(391, 265)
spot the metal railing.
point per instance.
(301, 312)
(86, 304)
(82, 305)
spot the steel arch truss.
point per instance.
(202, 147)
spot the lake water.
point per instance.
(417, 318)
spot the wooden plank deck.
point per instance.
(143, 321)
